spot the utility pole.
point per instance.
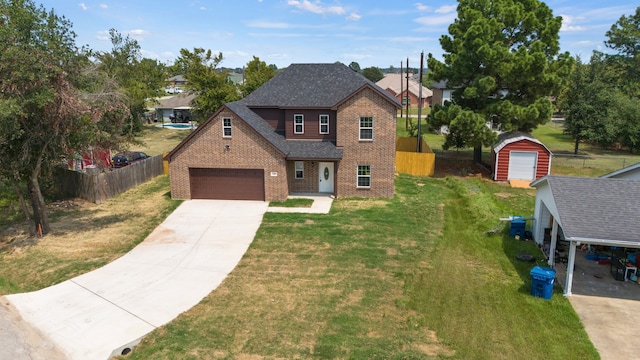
(407, 97)
(420, 103)
(401, 92)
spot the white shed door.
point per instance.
(522, 165)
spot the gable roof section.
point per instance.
(625, 170)
(312, 86)
(598, 209)
(507, 138)
(291, 149)
(392, 82)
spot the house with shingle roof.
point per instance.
(396, 85)
(313, 128)
(588, 211)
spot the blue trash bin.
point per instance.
(517, 226)
(542, 279)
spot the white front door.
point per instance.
(326, 177)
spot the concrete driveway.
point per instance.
(608, 308)
(99, 314)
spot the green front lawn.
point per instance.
(413, 277)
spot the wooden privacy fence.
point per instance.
(100, 187)
(408, 161)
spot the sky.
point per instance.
(281, 32)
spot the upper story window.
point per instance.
(226, 127)
(324, 124)
(299, 170)
(366, 128)
(298, 124)
(364, 176)
(406, 101)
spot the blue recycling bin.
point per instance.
(542, 279)
(517, 226)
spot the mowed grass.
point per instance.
(84, 236)
(413, 277)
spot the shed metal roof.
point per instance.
(507, 138)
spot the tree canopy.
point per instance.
(210, 84)
(601, 103)
(256, 73)
(624, 38)
(502, 58)
(373, 73)
(45, 93)
(137, 78)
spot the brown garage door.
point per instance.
(227, 184)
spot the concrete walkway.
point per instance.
(99, 314)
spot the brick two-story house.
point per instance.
(313, 128)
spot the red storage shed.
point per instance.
(520, 156)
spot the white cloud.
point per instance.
(103, 35)
(568, 24)
(203, 8)
(445, 9)
(104, 6)
(437, 20)
(138, 34)
(83, 6)
(421, 7)
(356, 56)
(268, 25)
(354, 17)
(316, 7)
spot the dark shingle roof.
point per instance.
(290, 148)
(597, 208)
(259, 125)
(311, 86)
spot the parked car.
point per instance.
(127, 158)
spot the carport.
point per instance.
(590, 211)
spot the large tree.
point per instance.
(256, 73)
(138, 78)
(501, 57)
(624, 38)
(45, 111)
(373, 73)
(210, 84)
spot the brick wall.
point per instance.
(379, 153)
(247, 150)
(310, 182)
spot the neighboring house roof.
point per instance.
(624, 172)
(179, 101)
(507, 138)
(177, 78)
(442, 84)
(597, 209)
(312, 86)
(392, 82)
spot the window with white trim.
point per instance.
(299, 169)
(364, 176)
(324, 124)
(226, 127)
(366, 128)
(298, 124)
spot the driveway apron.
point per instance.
(100, 314)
